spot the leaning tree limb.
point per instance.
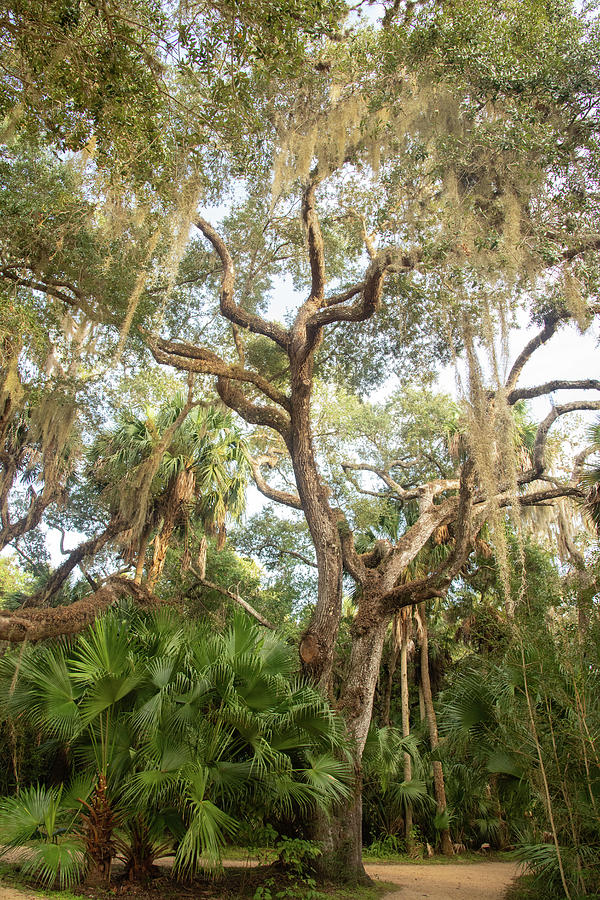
(76, 556)
(588, 384)
(42, 624)
(229, 308)
(236, 598)
(272, 493)
(551, 323)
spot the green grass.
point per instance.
(244, 853)
(362, 892)
(466, 859)
(267, 855)
(10, 877)
(522, 891)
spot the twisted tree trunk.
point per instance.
(342, 834)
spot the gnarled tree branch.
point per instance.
(188, 357)
(254, 413)
(551, 323)
(230, 309)
(266, 489)
(41, 624)
(589, 384)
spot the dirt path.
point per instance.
(9, 893)
(466, 881)
(476, 881)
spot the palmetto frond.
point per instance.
(328, 777)
(470, 709)
(383, 756)
(198, 721)
(37, 817)
(63, 862)
(44, 691)
(590, 476)
(205, 836)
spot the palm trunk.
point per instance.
(201, 558)
(387, 694)
(438, 774)
(408, 819)
(161, 545)
(141, 558)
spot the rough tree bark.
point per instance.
(41, 624)
(141, 556)
(378, 574)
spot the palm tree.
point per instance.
(390, 525)
(591, 477)
(201, 474)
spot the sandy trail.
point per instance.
(467, 881)
(9, 893)
(476, 881)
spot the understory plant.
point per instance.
(43, 819)
(527, 731)
(182, 730)
(386, 794)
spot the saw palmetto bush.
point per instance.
(184, 732)
(44, 819)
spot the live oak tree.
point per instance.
(504, 245)
(420, 182)
(143, 103)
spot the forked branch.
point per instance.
(279, 496)
(187, 357)
(229, 308)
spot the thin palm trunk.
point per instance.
(408, 817)
(387, 696)
(438, 773)
(161, 545)
(201, 559)
(141, 558)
